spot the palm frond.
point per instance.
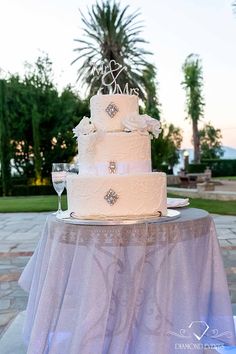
(111, 32)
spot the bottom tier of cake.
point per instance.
(117, 195)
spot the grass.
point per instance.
(227, 178)
(212, 206)
(49, 203)
(30, 204)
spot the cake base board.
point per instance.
(172, 214)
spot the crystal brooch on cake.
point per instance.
(111, 197)
(112, 109)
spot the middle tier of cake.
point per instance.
(117, 195)
(103, 153)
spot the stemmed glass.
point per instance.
(71, 168)
(58, 180)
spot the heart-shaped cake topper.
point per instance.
(111, 74)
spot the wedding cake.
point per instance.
(115, 173)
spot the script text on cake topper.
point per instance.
(109, 75)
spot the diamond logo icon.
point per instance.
(199, 328)
(112, 109)
(111, 197)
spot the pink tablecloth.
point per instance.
(134, 289)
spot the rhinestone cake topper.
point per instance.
(111, 197)
(112, 109)
(112, 167)
(109, 73)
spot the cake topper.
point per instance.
(109, 76)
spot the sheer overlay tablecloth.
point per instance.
(128, 289)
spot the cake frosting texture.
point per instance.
(107, 111)
(117, 195)
(130, 152)
(115, 174)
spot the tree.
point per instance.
(165, 148)
(110, 33)
(152, 105)
(193, 83)
(5, 152)
(41, 122)
(39, 80)
(210, 142)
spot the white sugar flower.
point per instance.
(84, 127)
(142, 123)
(153, 125)
(134, 122)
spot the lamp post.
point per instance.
(186, 160)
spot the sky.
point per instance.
(173, 28)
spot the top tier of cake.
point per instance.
(107, 111)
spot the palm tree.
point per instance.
(193, 82)
(152, 105)
(110, 33)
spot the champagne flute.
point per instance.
(58, 180)
(71, 168)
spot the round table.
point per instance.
(150, 288)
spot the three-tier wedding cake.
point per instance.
(115, 174)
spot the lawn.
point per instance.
(212, 206)
(30, 204)
(227, 178)
(49, 203)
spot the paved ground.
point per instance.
(19, 234)
(225, 186)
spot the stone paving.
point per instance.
(19, 234)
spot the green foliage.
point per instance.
(41, 120)
(196, 167)
(210, 142)
(110, 33)
(5, 150)
(165, 148)
(193, 83)
(20, 190)
(151, 100)
(221, 167)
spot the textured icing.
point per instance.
(130, 151)
(126, 104)
(138, 194)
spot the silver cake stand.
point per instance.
(172, 214)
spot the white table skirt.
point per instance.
(131, 289)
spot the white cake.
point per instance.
(115, 176)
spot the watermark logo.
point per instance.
(199, 329)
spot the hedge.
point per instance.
(218, 167)
(196, 167)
